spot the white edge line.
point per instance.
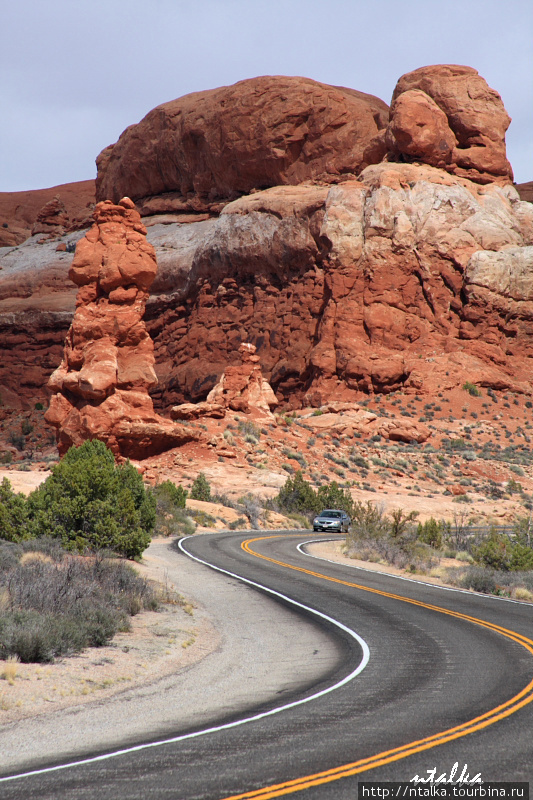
(228, 725)
(403, 577)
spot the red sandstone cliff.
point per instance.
(412, 271)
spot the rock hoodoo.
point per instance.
(242, 387)
(101, 386)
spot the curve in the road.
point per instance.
(521, 699)
(276, 710)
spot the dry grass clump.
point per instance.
(520, 593)
(9, 673)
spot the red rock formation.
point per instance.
(19, 210)
(101, 386)
(213, 146)
(243, 388)
(525, 190)
(467, 136)
(400, 279)
(410, 276)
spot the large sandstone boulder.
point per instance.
(101, 386)
(447, 115)
(213, 146)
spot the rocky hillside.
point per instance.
(362, 250)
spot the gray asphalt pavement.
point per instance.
(440, 665)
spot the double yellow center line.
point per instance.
(389, 756)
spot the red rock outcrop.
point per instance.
(52, 219)
(19, 210)
(101, 386)
(210, 147)
(410, 276)
(448, 116)
(243, 388)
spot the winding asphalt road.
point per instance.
(426, 677)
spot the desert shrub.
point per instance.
(390, 538)
(464, 555)
(201, 490)
(252, 508)
(13, 514)
(248, 428)
(9, 556)
(431, 532)
(472, 389)
(26, 427)
(202, 518)
(56, 608)
(170, 517)
(499, 552)
(297, 495)
(18, 440)
(176, 523)
(479, 580)
(228, 436)
(44, 545)
(237, 524)
(368, 523)
(331, 495)
(168, 495)
(88, 502)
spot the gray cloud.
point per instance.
(75, 74)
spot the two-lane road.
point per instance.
(425, 677)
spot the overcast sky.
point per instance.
(75, 73)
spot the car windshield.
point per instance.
(331, 514)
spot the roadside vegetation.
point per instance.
(54, 603)
(493, 562)
(62, 587)
(87, 503)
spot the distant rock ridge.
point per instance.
(101, 386)
(19, 211)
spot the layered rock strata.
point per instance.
(407, 278)
(416, 274)
(101, 386)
